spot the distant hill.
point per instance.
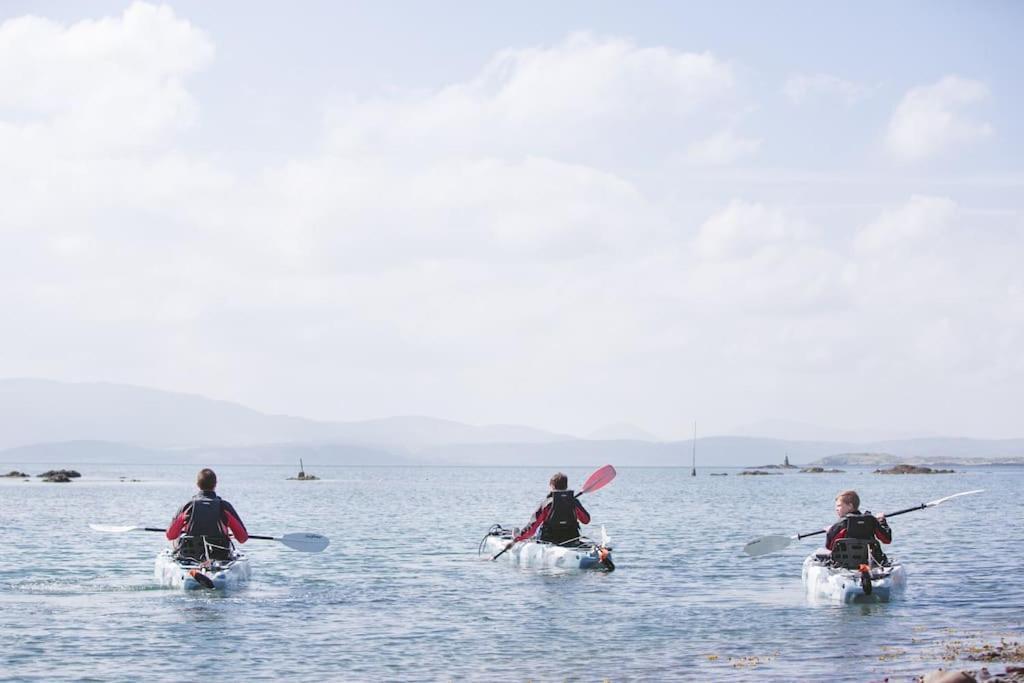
(47, 421)
(622, 431)
(82, 452)
(790, 430)
(34, 411)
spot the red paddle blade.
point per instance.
(599, 479)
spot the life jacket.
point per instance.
(205, 536)
(561, 524)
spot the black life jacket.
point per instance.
(205, 537)
(561, 525)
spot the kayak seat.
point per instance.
(204, 548)
(861, 526)
(850, 553)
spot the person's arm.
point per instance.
(179, 523)
(882, 531)
(581, 513)
(539, 517)
(835, 532)
(234, 523)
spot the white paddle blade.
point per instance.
(306, 543)
(112, 529)
(955, 495)
(767, 544)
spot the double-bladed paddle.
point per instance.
(771, 544)
(303, 542)
(600, 478)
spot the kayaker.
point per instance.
(202, 525)
(865, 525)
(558, 517)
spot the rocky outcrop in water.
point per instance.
(757, 472)
(912, 469)
(819, 470)
(59, 476)
(15, 474)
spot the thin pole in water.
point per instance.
(693, 472)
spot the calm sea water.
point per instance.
(401, 594)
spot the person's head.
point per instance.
(847, 502)
(206, 480)
(559, 482)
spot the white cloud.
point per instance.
(584, 96)
(724, 147)
(918, 221)
(929, 119)
(98, 86)
(742, 228)
(802, 88)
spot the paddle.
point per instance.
(771, 544)
(303, 542)
(600, 478)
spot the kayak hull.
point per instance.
(831, 584)
(540, 555)
(226, 575)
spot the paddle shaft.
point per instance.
(922, 506)
(164, 531)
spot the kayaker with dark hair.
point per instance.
(559, 516)
(202, 525)
(855, 524)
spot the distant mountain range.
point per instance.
(44, 421)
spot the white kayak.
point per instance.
(225, 575)
(536, 554)
(826, 582)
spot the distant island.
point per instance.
(784, 466)
(912, 469)
(879, 459)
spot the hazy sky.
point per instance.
(558, 214)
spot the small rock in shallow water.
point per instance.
(942, 676)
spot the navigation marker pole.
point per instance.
(693, 472)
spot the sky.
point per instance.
(565, 216)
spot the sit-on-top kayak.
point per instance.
(826, 581)
(535, 554)
(174, 572)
